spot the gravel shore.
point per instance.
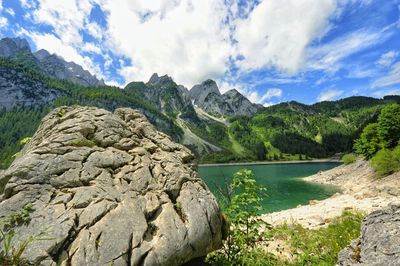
(360, 190)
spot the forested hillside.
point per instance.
(296, 131)
(285, 131)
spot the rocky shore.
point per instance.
(360, 190)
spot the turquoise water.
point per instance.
(285, 188)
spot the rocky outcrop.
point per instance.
(379, 243)
(232, 103)
(51, 65)
(107, 188)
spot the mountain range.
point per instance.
(216, 127)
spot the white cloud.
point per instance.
(10, 11)
(382, 93)
(329, 95)
(95, 30)
(185, 39)
(392, 78)
(388, 58)
(90, 47)
(327, 57)
(28, 4)
(1, 5)
(66, 17)
(3, 21)
(277, 33)
(255, 97)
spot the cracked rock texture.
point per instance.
(107, 188)
(379, 243)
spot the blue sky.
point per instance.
(271, 50)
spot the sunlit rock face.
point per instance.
(108, 188)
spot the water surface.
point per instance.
(285, 188)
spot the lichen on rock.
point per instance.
(108, 188)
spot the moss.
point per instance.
(83, 143)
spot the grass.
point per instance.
(319, 246)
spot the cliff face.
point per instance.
(17, 89)
(232, 103)
(109, 188)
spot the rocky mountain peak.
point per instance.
(105, 189)
(9, 47)
(160, 80)
(41, 54)
(51, 65)
(207, 97)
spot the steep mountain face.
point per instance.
(19, 89)
(165, 95)
(18, 50)
(207, 97)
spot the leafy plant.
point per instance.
(246, 230)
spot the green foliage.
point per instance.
(349, 158)
(389, 125)
(368, 143)
(320, 246)
(386, 162)
(25, 140)
(242, 206)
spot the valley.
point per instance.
(216, 127)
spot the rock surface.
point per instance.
(379, 243)
(207, 97)
(109, 189)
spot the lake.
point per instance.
(285, 188)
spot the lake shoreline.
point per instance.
(360, 190)
(272, 162)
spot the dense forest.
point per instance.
(293, 130)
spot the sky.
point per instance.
(270, 50)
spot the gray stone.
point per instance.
(207, 97)
(129, 198)
(379, 243)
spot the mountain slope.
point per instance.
(232, 103)
(18, 50)
(216, 127)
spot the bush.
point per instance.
(386, 162)
(349, 158)
(247, 229)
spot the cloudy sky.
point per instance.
(271, 50)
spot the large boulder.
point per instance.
(379, 243)
(108, 189)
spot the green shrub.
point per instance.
(246, 229)
(349, 158)
(386, 162)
